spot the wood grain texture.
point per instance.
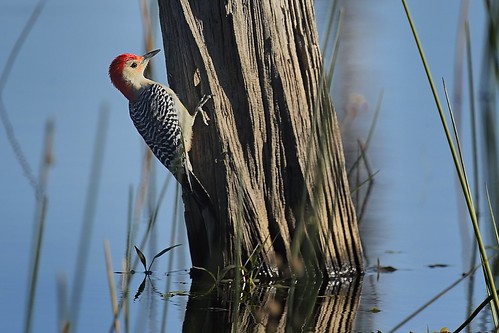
(271, 157)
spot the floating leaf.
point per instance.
(141, 257)
(438, 266)
(374, 310)
(385, 269)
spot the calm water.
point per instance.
(61, 74)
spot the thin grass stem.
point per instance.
(316, 148)
(489, 278)
(33, 281)
(329, 30)
(433, 299)
(491, 210)
(458, 141)
(40, 219)
(474, 314)
(89, 216)
(471, 93)
(336, 47)
(112, 289)
(363, 154)
(150, 225)
(130, 236)
(369, 134)
(175, 218)
(62, 302)
(4, 117)
(474, 135)
(377, 110)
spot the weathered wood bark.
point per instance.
(271, 157)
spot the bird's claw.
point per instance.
(199, 108)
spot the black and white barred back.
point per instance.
(153, 114)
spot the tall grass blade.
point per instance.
(4, 117)
(175, 220)
(489, 278)
(62, 302)
(474, 314)
(458, 141)
(302, 231)
(89, 216)
(491, 210)
(4, 77)
(488, 93)
(355, 165)
(41, 211)
(472, 249)
(433, 299)
(474, 136)
(143, 242)
(154, 216)
(127, 267)
(237, 276)
(112, 289)
(330, 26)
(369, 181)
(146, 189)
(33, 281)
(336, 46)
(130, 234)
(375, 118)
(127, 263)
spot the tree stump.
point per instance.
(271, 158)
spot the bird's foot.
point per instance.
(199, 108)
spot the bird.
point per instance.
(160, 118)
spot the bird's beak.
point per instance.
(149, 55)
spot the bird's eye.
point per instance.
(133, 65)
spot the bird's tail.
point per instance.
(192, 184)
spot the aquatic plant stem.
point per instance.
(36, 264)
(4, 116)
(435, 298)
(91, 202)
(489, 279)
(112, 289)
(41, 211)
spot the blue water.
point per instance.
(61, 74)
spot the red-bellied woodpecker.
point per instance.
(159, 116)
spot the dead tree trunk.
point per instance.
(271, 158)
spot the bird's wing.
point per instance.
(153, 114)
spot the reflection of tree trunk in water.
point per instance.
(294, 308)
(271, 158)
